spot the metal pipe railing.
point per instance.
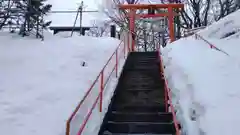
(168, 96)
(99, 97)
(197, 36)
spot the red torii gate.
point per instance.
(132, 16)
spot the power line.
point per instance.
(71, 11)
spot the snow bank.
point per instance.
(225, 27)
(204, 81)
(42, 82)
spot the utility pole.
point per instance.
(81, 11)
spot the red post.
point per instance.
(116, 63)
(101, 91)
(124, 47)
(128, 41)
(171, 23)
(131, 26)
(158, 50)
(166, 98)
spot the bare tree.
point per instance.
(195, 14)
(27, 16)
(222, 8)
(200, 13)
(99, 29)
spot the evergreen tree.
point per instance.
(26, 15)
(35, 11)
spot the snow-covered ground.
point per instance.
(204, 81)
(41, 82)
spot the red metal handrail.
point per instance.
(168, 95)
(100, 95)
(197, 36)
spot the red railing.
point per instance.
(197, 36)
(103, 82)
(168, 95)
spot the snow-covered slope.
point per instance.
(42, 82)
(204, 81)
(223, 29)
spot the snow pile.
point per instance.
(42, 82)
(204, 81)
(227, 27)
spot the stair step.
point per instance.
(132, 77)
(144, 58)
(141, 101)
(140, 127)
(129, 76)
(143, 61)
(155, 80)
(143, 73)
(140, 84)
(108, 133)
(141, 89)
(154, 99)
(138, 68)
(152, 81)
(126, 94)
(140, 117)
(148, 59)
(144, 79)
(149, 64)
(139, 80)
(142, 66)
(132, 54)
(139, 108)
(153, 62)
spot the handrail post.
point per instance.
(68, 129)
(158, 49)
(124, 48)
(165, 83)
(128, 41)
(171, 23)
(116, 63)
(101, 91)
(100, 94)
(166, 98)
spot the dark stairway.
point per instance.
(137, 106)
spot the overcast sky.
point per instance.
(73, 4)
(67, 19)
